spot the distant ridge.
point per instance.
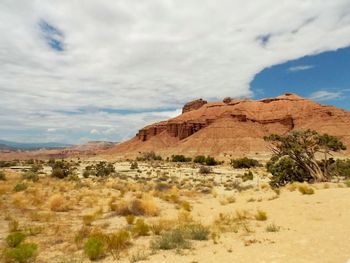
(235, 126)
(31, 146)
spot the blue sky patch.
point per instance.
(53, 36)
(323, 77)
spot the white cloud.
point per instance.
(300, 68)
(145, 55)
(94, 132)
(322, 95)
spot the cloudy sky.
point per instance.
(73, 71)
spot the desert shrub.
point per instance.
(88, 219)
(61, 169)
(15, 238)
(210, 161)
(89, 171)
(4, 164)
(58, 203)
(31, 175)
(139, 255)
(195, 232)
(199, 159)
(130, 219)
(244, 162)
(205, 170)
(144, 206)
(13, 225)
(180, 158)
(101, 169)
(260, 215)
(23, 253)
(272, 228)
(247, 176)
(284, 171)
(161, 225)
(173, 239)
(2, 176)
(306, 190)
(20, 187)
(137, 206)
(140, 228)
(347, 183)
(117, 242)
(104, 169)
(134, 165)
(36, 167)
(94, 248)
(340, 168)
(149, 156)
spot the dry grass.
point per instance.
(59, 203)
(144, 206)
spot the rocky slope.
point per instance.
(235, 126)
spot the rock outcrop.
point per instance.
(236, 126)
(193, 105)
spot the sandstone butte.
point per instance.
(235, 127)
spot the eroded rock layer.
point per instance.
(236, 126)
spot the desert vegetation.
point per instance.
(151, 209)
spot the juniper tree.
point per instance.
(302, 147)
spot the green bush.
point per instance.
(2, 176)
(23, 253)
(180, 158)
(4, 164)
(247, 176)
(210, 161)
(30, 175)
(284, 171)
(340, 168)
(15, 238)
(94, 248)
(36, 167)
(61, 169)
(199, 159)
(196, 232)
(101, 169)
(20, 187)
(244, 162)
(149, 156)
(173, 239)
(134, 165)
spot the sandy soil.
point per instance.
(310, 228)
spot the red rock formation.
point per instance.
(193, 105)
(236, 126)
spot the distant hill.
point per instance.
(9, 145)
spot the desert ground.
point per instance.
(169, 212)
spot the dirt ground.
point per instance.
(294, 228)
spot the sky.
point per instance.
(75, 71)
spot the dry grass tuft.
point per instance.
(58, 203)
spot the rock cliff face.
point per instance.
(236, 126)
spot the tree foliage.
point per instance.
(294, 155)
